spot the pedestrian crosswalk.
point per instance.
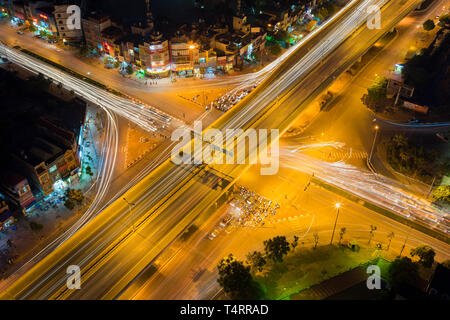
(344, 155)
(296, 222)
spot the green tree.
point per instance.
(341, 234)
(377, 90)
(445, 19)
(400, 141)
(323, 13)
(129, 69)
(294, 243)
(275, 49)
(426, 255)
(236, 280)
(69, 204)
(256, 260)
(428, 25)
(442, 193)
(401, 273)
(282, 35)
(316, 239)
(276, 248)
(75, 195)
(390, 236)
(372, 232)
(89, 171)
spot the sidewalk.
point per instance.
(49, 215)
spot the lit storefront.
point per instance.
(45, 22)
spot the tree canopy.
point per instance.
(275, 49)
(445, 19)
(442, 193)
(402, 272)
(256, 260)
(377, 90)
(236, 280)
(276, 248)
(426, 255)
(429, 25)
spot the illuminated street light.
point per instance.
(338, 206)
(374, 140)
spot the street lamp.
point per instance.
(374, 140)
(130, 206)
(338, 206)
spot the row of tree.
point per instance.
(409, 158)
(236, 277)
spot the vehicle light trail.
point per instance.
(142, 115)
(111, 255)
(382, 191)
(106, 165)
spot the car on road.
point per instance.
(19, 32)
(213, 234)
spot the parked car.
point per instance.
(19, 32)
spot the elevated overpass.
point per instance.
(121, 241)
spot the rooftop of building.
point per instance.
(11, 178)
(33, 113)
(96, 17)
(5, 215)
(135, 39)
(48, 10)
(112, 32)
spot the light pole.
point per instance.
(338, 206)
(374, 141)
(130, 206)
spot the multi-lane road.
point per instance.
(120, 242)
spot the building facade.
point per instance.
(17, 189)
(66, 34)
(93, 26)
(6, 218)
(155, 55)
(184, 55)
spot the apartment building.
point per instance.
(155, 54)
(17, 190)
(93, 25)
(71, 36)
(6, 218)
(184, 54)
